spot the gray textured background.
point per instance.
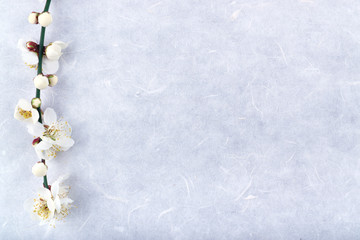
(193, 119)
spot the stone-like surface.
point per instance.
(193, 119)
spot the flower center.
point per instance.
(51, 132)
(41, 208)
(25, 114)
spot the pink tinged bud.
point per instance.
(36, 141)
(32, 46)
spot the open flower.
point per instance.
(42, 207)
(60, 194)
(50, 205)
(30, 56)
(54, 134)
(25, 112)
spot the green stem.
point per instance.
(45, 178)
(47, 5)
(39, 71)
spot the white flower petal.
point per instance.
(29, 207)
(53, 52)
(43, 145)
(37, 129)
(47, 139)
(57, 204)
(49, 154)
(61, 44)
(22, 45)
(62, 178)
(30, 58)
(51, 205)
(35, 115)
(17, 115)
(40, 153)
(55, 188)
(65, 142)
(24, 104)
(50, 67)
(66, 201)
(50, 116)
(44, 193)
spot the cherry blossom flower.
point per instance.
(42, 207)
(54, 135)
(25, 112)
(50, 64)
(50, 205)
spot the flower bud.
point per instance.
(33, 18)
(53, 52)
(53, 79)
(36, 141)
(39, 169)
(32, 46)
(41, 82)
(45, 19)
(36, 102)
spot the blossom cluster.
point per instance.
(50, 133)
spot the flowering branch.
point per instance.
(39, 71)
(51, 134)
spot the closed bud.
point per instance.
(41, 82)
(53, 79)
(45, 19)
(39, 169)
(53, 52)
(32, 46)
(36, 141)
(33, 18)
(36, 102)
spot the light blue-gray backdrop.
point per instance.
(193, 119)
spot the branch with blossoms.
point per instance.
(51, 135)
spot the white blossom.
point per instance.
(31, 58)
(50, 205)
(55, 135)
(25, 112)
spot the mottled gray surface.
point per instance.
(193, 119)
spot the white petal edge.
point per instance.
(30, 58)
(50, 67)
(50, 116)
(24, 104)
(22, 45)
(37, 129)
(35, 115)
(43, 145)
(65, 142)
(61, 44)
(40, 153)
